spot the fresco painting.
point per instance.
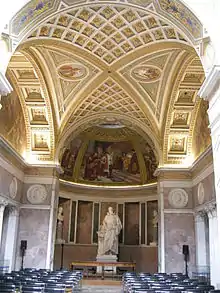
(69, 156)
(110, 162)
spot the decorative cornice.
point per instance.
(207, 152)
(5, 87)
(35, 207)
(212, 81)
(88, 186)
(178, 211)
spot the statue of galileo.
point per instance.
(108, 234)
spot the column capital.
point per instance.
(3, 202)
(200, 215)
(13, 211)
(211, 210)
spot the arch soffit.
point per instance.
(51, 56)
(29, 81)
(34, 13)
(140, 128)
(190, 36)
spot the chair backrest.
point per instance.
(33, 288)
(54, 290)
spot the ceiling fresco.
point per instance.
(109, 154)
(93, 77)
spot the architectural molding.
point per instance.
(8, 166)
(34, 179)
(204, 173)
(5, 86)
(177, 183)
(8, 200)
(205, 207)
(95, 187)
(101, 198)
(35, 207)
(208, 87)
(179, 211)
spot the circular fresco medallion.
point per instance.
(146, 73)
(178, 198)
(72, 71)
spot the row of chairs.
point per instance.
(40, 281)
(164, 283)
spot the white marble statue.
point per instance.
(108, 234)
(155, 224)
(60, 218)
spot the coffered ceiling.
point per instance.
(131, 64)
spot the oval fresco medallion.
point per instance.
(72, 71)
(146, 73)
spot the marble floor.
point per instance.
(101, 289)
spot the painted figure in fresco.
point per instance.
(68, 162)
(60, 219)
(110, 162)
(133, 166)
(108, 234)
(150, 162)
(91, 168)
(125, 161)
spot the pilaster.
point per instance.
(5, 87)
(176, 224)
(11, 236)
(210, 91)
(3, 204)
(38, 216)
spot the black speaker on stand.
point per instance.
(186, 257)
(23, 248)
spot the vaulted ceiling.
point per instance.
(130, 63)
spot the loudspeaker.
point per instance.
(186, 249)
(23, 244)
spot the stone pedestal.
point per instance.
(106, 259)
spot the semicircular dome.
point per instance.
(108, 155)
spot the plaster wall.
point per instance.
(33, 227)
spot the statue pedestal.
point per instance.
(107, 259)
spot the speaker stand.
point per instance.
(22, 258)
(186, 267)
(62, 252)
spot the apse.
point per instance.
(108, 154)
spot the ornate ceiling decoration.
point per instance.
(33, 94)
(110, 98)
(149, 76)
(108, 31)
(35, 11)
(182, 112)
(81, 67)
